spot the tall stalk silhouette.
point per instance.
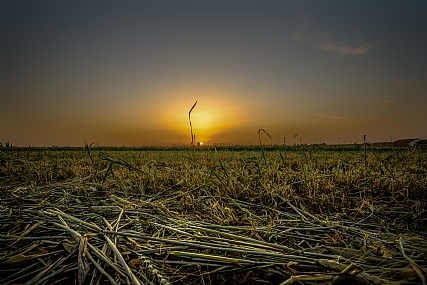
(260, 143)
(191, 126)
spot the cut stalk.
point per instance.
(191, 126)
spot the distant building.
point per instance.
(419, 143)
(405, 142)
(402, 143)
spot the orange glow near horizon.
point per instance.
(209, 118)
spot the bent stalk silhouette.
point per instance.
(191, 126)
(260, 143)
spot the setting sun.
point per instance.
(210, 117)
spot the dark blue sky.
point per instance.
(127, 72)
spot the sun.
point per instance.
(209, 119)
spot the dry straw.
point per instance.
(310, 219)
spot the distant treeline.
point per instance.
(346, 147)
(8, 144)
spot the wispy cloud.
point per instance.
(298, 35)
(346, 50)
(334, 117)
(341, 50)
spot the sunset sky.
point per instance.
(126, 73)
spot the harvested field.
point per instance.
(256, 216)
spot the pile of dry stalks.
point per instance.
(76, 232)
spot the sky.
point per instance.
(126, 73)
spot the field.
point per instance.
(242, 215)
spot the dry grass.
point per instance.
(213, 217)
